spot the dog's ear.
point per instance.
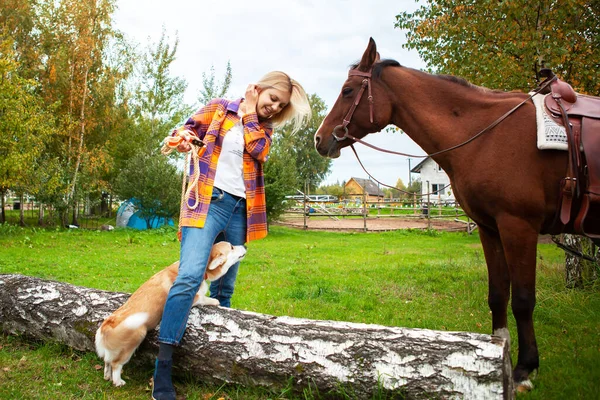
(216, 262)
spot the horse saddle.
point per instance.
(580, 189)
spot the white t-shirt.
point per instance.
(230, 171)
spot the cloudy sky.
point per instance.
(314, 41)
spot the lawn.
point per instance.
(402, 278)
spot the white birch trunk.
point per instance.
(226, 345)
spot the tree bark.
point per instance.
(226, 345)
(578, 271)
(2, 206)
(22, 210)
(41, 214)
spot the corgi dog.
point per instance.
(124, 330)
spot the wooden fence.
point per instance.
(86, 215)
(370, 210)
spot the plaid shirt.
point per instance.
(210, 124)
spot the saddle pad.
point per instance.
(550, 135)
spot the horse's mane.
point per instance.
(463, 82)
(456, 79)
(380, 65)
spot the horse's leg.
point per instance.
(519, 240)
(498, 281)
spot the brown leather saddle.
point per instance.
(579, 202)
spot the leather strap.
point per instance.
(569, 185)
(366, 83)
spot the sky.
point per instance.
(314, 41)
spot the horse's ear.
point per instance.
(369, 57)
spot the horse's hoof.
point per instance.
(523, 386)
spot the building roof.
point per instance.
(368, 186)
(417, 168)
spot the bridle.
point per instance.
(366, 83)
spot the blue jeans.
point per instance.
(226, 220)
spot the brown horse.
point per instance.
(502, 181)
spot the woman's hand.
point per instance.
(251, 98)
(185, 145)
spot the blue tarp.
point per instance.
(128, 215)
(137, 222)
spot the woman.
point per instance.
(230, 200)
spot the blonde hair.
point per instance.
(297, 112)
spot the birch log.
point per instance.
(226, 345)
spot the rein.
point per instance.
(366, 83)
(573, 251)
(171, 143)
(392, 187)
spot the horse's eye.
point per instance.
(346, 91)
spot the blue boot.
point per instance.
(163, 389)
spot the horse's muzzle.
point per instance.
(327, 147)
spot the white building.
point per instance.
(434, 177)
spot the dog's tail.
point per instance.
(114, 334)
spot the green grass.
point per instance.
(403, 278)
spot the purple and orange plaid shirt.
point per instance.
(210, 124)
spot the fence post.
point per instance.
(428, 210)
(365, 210)
(306, 210)
(41, 214)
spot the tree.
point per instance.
(73, 37)
(579, 271)
(335, 189)
(156, 107)
(310, 166)
(504, 44)
(389, 192)
(212, 89)
(280, 178)
(25, 126)
(160, 105)
(414, 186)
(154, 183)
(17, 23)
(293, 161)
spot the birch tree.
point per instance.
(160, 94)
(25, 121)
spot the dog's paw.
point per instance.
(209, 301)
(119, 382)
(205, 301)
(107, 372)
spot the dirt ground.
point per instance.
(385, 224)
(375, 224)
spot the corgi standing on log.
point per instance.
(124, 330)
